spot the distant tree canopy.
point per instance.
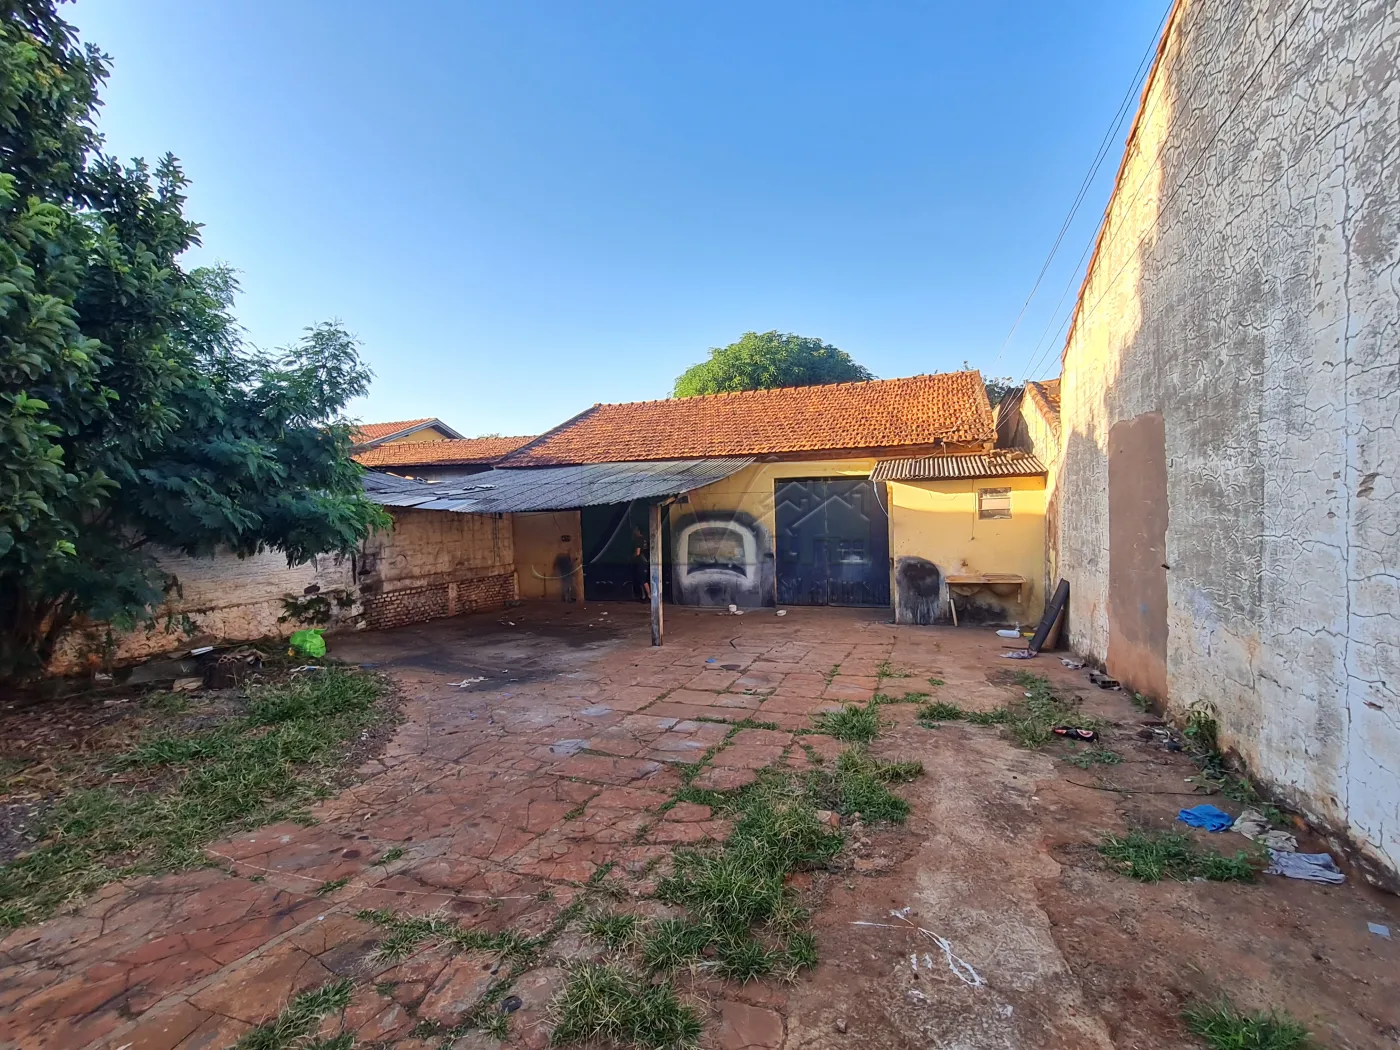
(130, 412)
(765, 360)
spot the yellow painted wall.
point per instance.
(431, 434)
(937, 521)
(540, 539)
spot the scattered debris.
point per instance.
(1073, 665)
(202, 650)
(1310, 867)
(1206, 816)
(187, 685)
(1379, 930)
(841, 1025)
(308, 642)
(308, 667)
(781, 612)
(1103, 681)
(466, 682)
(1254, 826)
(511, 1003)
(1076, 732)
(1019, 654)
(961, 968)
(1008, 634)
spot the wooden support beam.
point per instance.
(654, 514)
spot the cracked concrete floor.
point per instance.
(505, 795)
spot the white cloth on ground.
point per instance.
(1311, 867)
(1253, 825)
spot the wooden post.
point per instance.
(654, 514)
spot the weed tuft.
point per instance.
(744, 959)
(887, 670)
(608, 1004)
(857, 725)
(616, 931)
(1153, 856)
(1223, 1027)
(300, 1019)
(1094, 756)
(407, 932)
(941, 711)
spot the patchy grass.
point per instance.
(1153, 856)
(999, 717)
(303, 1015)
(331, 885)
(743, 959)
(936, 682)
(907, 698)
(406, 932)
(616, 931)
(250, 770)
(390, 855)
(609, 1004)
(887, 670)
(853, 724)
(857, 785)
(941, 711)
(1223, 1027)
(1094, 756)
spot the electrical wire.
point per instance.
(1099, 156)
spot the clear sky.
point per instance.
(524, 208)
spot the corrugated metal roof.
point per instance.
(1002, 463)
(552, 488)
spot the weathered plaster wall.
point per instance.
(1043, 439)
(1247, 288)
(228, 599)
(937, 522)
(542, 541)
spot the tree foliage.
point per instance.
(763, 361)
(131, 414)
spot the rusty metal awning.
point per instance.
(999, 463)
(519, 490)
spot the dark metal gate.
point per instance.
(833, 542)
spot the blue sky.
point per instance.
(522, 209)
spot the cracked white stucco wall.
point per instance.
(1247, 287)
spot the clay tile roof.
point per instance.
(374, 431)
(1045, 394)
(453, 452)
(879, 414)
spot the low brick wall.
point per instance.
(416, 604)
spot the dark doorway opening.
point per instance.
(612, 534)
(833, 542)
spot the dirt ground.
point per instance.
(497, 801)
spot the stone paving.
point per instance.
(504, 797)
(541, 747)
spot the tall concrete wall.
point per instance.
(1233, 377)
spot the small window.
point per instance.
(994, 503)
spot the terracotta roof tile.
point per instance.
(879, 414)
(452, 452)
(375, 431)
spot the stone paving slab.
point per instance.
(498, 802)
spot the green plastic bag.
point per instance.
(308, 642)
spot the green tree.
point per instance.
(765, 360)
(130, 413)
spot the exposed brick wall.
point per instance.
(416, 604)
(434, 564)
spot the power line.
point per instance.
(1099, 156)
(1234, 107)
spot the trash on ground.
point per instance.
(733, 608)
(202, 650)
(1073, 665)
(511, 623)
(466, 682)
(1378, 929)
(961, 968)
(1254, 826)
(1008, 634)
(1206, 816)
(511, 1003)
(1018, 654)
(188, 685)
(308, 667)
(1076, 732)
(1103, 681)
(781, 612)
(308, 642)
(1310, 867)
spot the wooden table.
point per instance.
(991, 579)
